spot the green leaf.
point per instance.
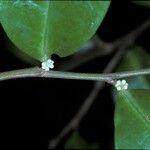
(132, 119)
(136, 58)
(43, 28)
(77, 142)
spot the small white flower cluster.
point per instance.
(121, 85)
(47, 65)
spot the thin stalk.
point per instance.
(37, 72)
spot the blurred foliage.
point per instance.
(75, 141)
(143, 3)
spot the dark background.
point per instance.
(34, 110)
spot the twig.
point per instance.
(37, 72)
(95, 49)
(99, 48)
(74, 123)
(131, 37)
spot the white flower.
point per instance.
(121, 85)
(48, 64)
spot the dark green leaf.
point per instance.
(77, 142)
(43, 28)
(132, 119)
